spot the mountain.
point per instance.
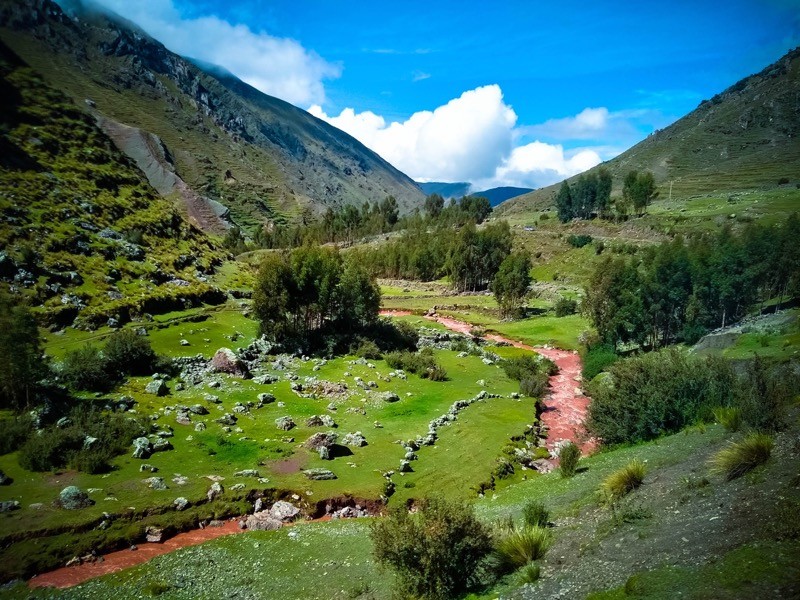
(745, 137)
(207, 138)
(501, 194)
(444, 189)
(84, 237)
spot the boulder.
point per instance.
(73, 498)
(5, 479)
(324, 453)
(319, 474)
(161, 445)
(284, 511)
(154, 535)
(214, 491)
(198, 409)
(157, 387)
(389, 397)
(180, 503)
(284, 423)
(9, 505)
(356, 440)
(262, 521)
(226, 361)
(155, 483)
(148, 467)
(247, 473)
(141, 448)
(227, 419)
(321, 439)
(200, 426)
(265, 379)
(314, 421)
(405, 466)
(265, 398)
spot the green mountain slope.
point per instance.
(747, 137)
(82, 234)
(261, 157)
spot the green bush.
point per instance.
(730, 417)
(579, 241)
(764, 393)
(51, 449)
(535, 514)
(14, 432)
(532, 372)
(744, 456)
(516, 548)
(597, 359)
(434, 553)
(127, 353)
(624, 480)
(568, 458)
(528, 574)
(656, 393)
(86, 369)
(422, 363)
(565, 306)
(367, 349)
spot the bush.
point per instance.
(516, 548)
(532, 372)
(565, 307)
(579, 241)
(730, 417)
(367, 349)
(433, 553)
(657, 393)
(86, 369)
(535, 386)
(764, 393)
(50, 450)
(568, 458)
(741, 457)
(127, 353)
(624, 480)
(597, 359)
(14, 432)
(529, 574)
(421, 363)
(535, 514)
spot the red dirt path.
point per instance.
(565, 407)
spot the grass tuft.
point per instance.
(536, 514)
(568, 457)
(744, 456)
(729, 417)
(624, 480)
(516, 548)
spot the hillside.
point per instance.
(83, 234)
(744, 138)
(259, 156)
(444, 189)
(500, 194)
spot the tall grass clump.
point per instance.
(744, 456)
(568, 458)
(624, 480)
(535, 514)
(516, 548)
(730, 417)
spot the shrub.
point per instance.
(529, 574)
(568, 458)
(532, 372)
(535, 514)
(86, 369)
(565, 307)
(535, 386)
(744, 456)
(14, 432)
(730, 417)
(579, 241)
(764, 392)
(435, 552)
(516, 548)
(421, 363)
(127, 353)
(50, 450)
(367, 349)
(597, 359)
(624, 480)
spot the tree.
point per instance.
(434, 205)
(127, 353)
(603, 195)
(639, 190)
(434, 553)
(359, 298)
(510, 285)
(22, 366)
(271, 293)
(390, 211)
(564, 203)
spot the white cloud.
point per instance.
(465, 139)
(420, 76)
(280, 67)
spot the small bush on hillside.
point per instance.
(579, 241)
(624, 480)
(596, 360)
(744, 456)
(14, 432)
(421, 363)
(529, 574)
(127, 353)
(565, 306)
(535, 514)
(532, 372)
(85, 369)
(367, 349)
(535, 386)
(434, 553)
(50, 450)
(730, 417)
(516, 548)
(764, 393)
(568, 458)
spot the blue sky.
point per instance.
(520, 93)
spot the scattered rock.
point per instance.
(262, 521)
(148, 467)
(5, 479)
(161, 445)
(198, 409)
(157, 387)
(265, 398)
(226, 361)
(355, 440)
(180, 503)
(9, 505)
(247, 473)
(284, 511)
(154, 535)
(155, 483)
(319, 474)
(389, 397)
(141, 448)
(73, 498)
(321, 439)
(284, 423)
(214, 491)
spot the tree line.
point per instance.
(679, 290)
(590, 196)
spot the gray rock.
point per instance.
(324, 453)
(355, 440)
(5, 479)
(284, 423)
(265, 379)
(155, 483)
(284, 511)
(161, 445)
(198, 409)
(200, 426)
(215, 491)
(227, 419)
(265, 398)
(141, 448)
(184, 342)
(405, 466)
(73, 498)
(262, 521)
(226, 361)
(247, 473)
(9, 505)
(154, 535)
(240, 408)
(63, 422)
(389, 397)
(157, 387)
(148, 467)
(180, 503)
(321, 439)
(319, 474)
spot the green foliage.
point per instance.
(533, 373)
(597, 359)
(13, 433)
(639, 190)
(422, 363)
(623, 481)
(510, 284)
(529, 574)
(434, 553)
(517, 547)
(730, 417)
(579, 241)
(535, 514)
(742, 457)
(658, 393)
(764, 393)
(568, 458)
(22, 366)
(50, 450)
(564, 203)
(367, 349)
(588, 196)
(565, 306)
(127, 353)
(86, 369)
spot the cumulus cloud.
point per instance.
(280, 67)
(624, 127)
(465, 139)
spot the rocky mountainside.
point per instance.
(222, 140)
(746, 137)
